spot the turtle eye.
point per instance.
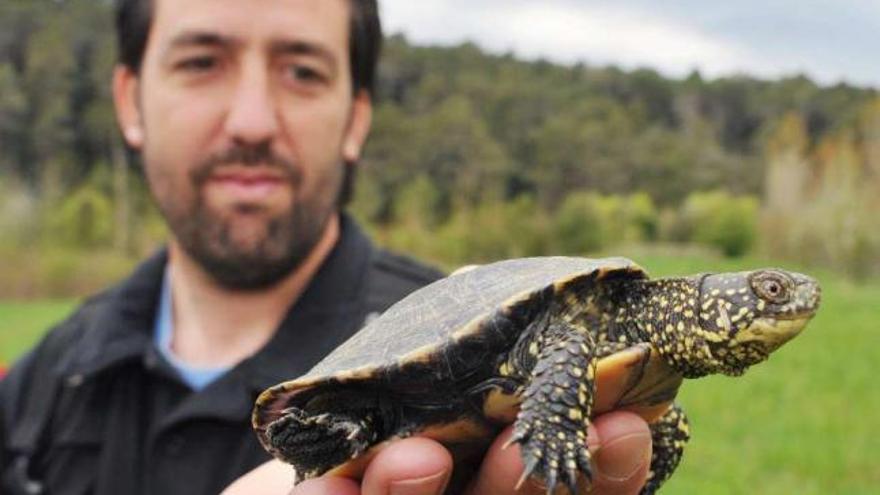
(771, 287)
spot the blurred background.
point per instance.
(692, 136)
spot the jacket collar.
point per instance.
(118, 323)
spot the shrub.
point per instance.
(719, 220)
(588, 222)
(493, 231)
(578, 225)
(83, 220)
(839, 231)
(19, 222)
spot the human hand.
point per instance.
(620, 443)
(412, 466)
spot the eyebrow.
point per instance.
(277, 47)
(200, 38)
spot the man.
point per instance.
(249, 115)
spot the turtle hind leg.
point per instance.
(551, 427)
(669, 434)
(314, 444)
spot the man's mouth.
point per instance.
(248, 185)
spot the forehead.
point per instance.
(254, 23)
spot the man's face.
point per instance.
(245, 117)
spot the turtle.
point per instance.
(546, 343)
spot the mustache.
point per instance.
(248, 156)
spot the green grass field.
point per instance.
(22, 323)
(804, 422)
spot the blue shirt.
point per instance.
(196, 377)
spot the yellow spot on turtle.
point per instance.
(533, 349)
(504, 370)
(740, 315)
(575, 414)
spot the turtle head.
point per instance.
(745, 316)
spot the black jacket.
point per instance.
(122, 422)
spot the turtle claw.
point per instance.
(571, 483)
(557, 456)
(354, 434)
(550, 480)
(518, 436)
(529, 468)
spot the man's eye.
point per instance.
(302, 73)
(197, 64)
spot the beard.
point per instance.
(281, 243)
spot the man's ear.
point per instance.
(359, 127)
(128, 113)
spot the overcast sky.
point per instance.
(828, 40)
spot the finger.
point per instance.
(328, 485)
(413, 466)
(273, 477)
(501, 470)
(623, 456)
(619, 441)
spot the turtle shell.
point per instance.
(458, 318)
(457, 305)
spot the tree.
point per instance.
(788, 169)
(460, 156)
(12, 109)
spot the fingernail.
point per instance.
(615, 460)
(429, 485)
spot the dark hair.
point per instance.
(134, 17)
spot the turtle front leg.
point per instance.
(551, 427)
(669, 434)
(314, 444)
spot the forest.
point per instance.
(473, 156)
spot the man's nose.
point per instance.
(253, 113)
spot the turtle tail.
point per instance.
(314, 444)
